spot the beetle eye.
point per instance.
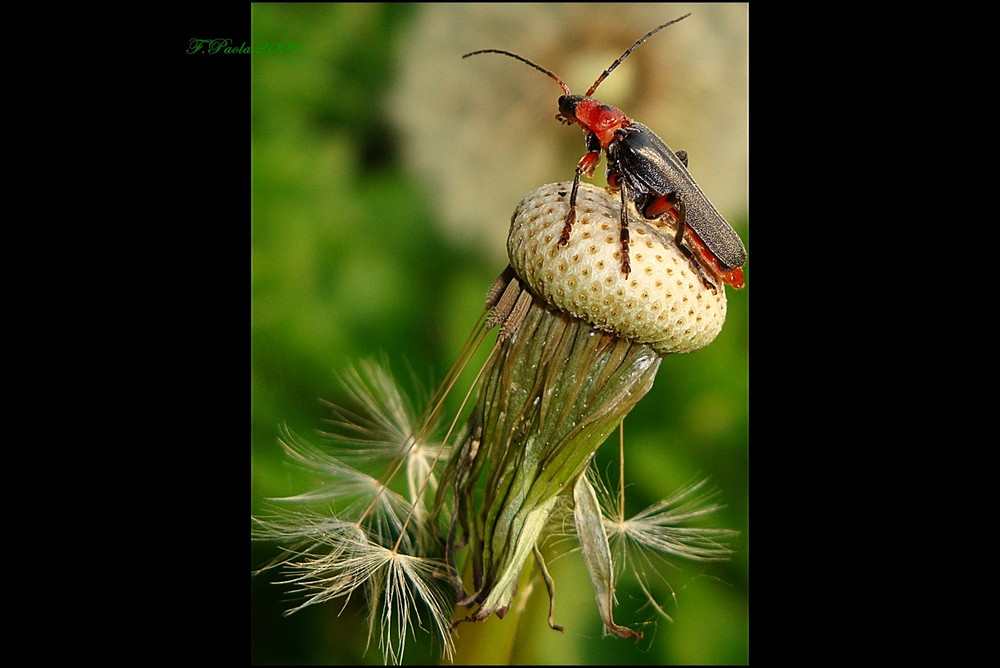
(567, 105)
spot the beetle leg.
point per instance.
(670, 205)
(682, 155)
(696, 266)
(585, 166)
(624, 238)
(703, 276)
(700, 271)
(571, 216)
(673, 206)
(679, 214)
(680, 219)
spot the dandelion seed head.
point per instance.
(642, 309)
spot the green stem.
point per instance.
(493, 641)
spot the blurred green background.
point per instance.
(385, 171)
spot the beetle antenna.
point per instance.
(629, 50)
(537, 67)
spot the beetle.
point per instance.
(648, 173)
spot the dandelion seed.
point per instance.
(334, 558)
(384, 427)
(366, 536)
(659, 531)
(662, 526)
(354, 495)
(405, 586)
(320, 558)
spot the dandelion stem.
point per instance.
(621, 471)
(496, 643)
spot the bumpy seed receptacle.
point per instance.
(663, 302)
